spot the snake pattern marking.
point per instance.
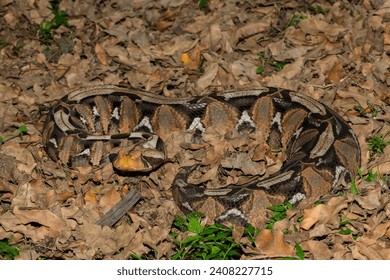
(129, 127)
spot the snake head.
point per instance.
(146, 155)
(139, 160)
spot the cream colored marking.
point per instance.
(187, 206)
(233, 211)
(86, 152)
(78, 95)
(242, 93)
(137, 135)
(54, 142)
(196, 124)
(237, 198)
(325, 140)
(82, 93)
(338, 171)
(144, 122)
(160, 99)
(62, 121)
(296, 198)
(278, 120)
(214, 192)
(95, 111)
(245, 118)
(297, 133)
(98, 137)
(151, 143)
(311, 104)
(83, 120)
(151, 153)
(195, 106)
(115, 113)
(268, 183)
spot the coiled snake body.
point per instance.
(129, 128)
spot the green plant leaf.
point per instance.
(371, 176)
(22, 129)
(346, 231)
(8, 251)
(299, 252)
(260, 70)
(360, 172)
(194, 224)
(354, 188)
(213, 242)
(202, 4)
(280, 212)
(294, 20)
(278, 65)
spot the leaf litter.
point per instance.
(339, 56)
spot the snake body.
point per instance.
(129, 127)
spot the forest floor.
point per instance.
(334, 51)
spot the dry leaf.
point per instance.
(324, 213)
(271, 243)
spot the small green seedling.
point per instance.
(260, 70)
(369, 177)
(344, 230)
(318, 10)
(251, 232)
(19, 132)
(377, 144)
(373, 110)
(8, 251)
(277, 65)
(211, 242)
(354, 189)
(47, 26)
(295, 19)
(202, 4)
(299, 252)
(3, 43)
(280, 212)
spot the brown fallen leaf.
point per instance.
(319, 250)
(249, 30)
(109, 199)
(208, 76)
(101, 54)
(43, 217)
(271, 243)
(324, 213)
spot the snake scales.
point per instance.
(129, 128)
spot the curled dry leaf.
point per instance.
(324, 213)
(314, 26)
(101, 54)
(249, 30)
(208, 76)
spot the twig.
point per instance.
(120, 209)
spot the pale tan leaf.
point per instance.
(271, 243)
